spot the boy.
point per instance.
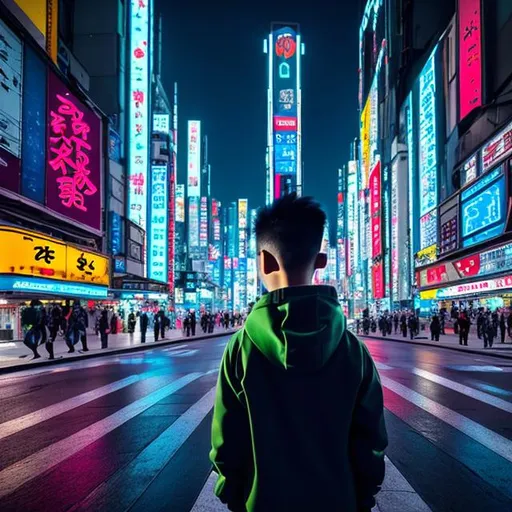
(298, 423)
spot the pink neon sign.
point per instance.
(73, 178)
(470, 56)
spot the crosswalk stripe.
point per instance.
(23, 471)
(465, 390)
(496, 443)
(382, 366)
(10, 427)
(115, 495)
(395, 485)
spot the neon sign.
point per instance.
(242, 228)
(375, 210)
(428, 137)
(203, 222)
(489, 285)
(470, 56)
(40, 285)
(138, 123)
(497, 149)
(180, 203)
(74, 161)
(194, 159)
(157, 249)
(428, 229)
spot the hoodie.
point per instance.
(298, 422)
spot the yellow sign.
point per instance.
(365, 141)
(44, 16)
(34, 254)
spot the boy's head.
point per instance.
(289, 235)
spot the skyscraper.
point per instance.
(284, 145)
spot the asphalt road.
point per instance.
(131, 432)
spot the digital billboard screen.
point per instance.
(73, 173)
(158, 232)
(139, 125)
(11, 79)
(427, 137)
(194, 159)
(203, 222)
(193, 224)
(428, 230)
(483, 212)
(375, 185)
(180, 203)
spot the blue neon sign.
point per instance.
(51, 287)
(157, 247)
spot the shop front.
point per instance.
(471, 266)
(36, 266)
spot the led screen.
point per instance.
(157, 247)
(483, 212)
(427, 137)
(428, 230)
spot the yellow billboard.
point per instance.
(365, 141)
(44, 16)
(34, 254)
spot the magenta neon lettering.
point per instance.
(69, 154)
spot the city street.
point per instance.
(131, 431)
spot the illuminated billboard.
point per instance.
(375, 186)
(180, 203)
(194, 159)
(139, 127)
(484, 209)
(203, 222)
(161, 123)
(73, 172)
(242, 228)
(284, 116)
(427, 137)
(428, 229)
(352, 215)
(497, 149)
(11, 52)
(470, 56)
(194, 186)
(158, 228)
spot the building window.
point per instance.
(66, 22)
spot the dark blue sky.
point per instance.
(214, 50)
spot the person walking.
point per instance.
(104, 328)
(395, 321)
(132, 322)
(463, 325)
(156, 325)
(509, 323)
(186, 325)
(31, 322)
(403, 325)
(144, 320)
(163, 323)
(226, 320)
(113, 323)
(435, 328)
(297, 390)
(503, 327)
(193, 322)
(413, 326)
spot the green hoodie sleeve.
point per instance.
(368, 435)
(231, 445)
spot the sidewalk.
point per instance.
(451, 341)
(16, 356)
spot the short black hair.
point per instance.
(293, 227)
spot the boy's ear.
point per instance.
(269, 263)
(321, 260)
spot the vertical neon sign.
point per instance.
(470, 56)
(138, 120)
(193, 184)
(158, 257)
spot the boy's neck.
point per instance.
(283, 280)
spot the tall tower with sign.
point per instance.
(284, 145)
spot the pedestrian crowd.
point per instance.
(490, 325)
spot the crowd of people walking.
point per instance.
(490, 325)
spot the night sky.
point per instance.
(214, 50)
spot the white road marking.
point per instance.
(10, 427)
(382, 366)
(23, 471)
(486, 398)
(496, 443)
(395, 488)
(184, 353)
(114, 494)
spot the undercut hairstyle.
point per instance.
(293, 228)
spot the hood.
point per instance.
(297, 328)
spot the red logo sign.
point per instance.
(469, 266)
(285, 123)
(286, 46)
